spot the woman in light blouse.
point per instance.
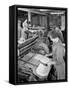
(58, 52)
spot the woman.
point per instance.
(58, 54)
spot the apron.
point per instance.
(58, 53)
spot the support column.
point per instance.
(48, 27)
(29, 16)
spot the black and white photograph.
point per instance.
(34, 37)
(41, 45)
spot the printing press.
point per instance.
(32, 65)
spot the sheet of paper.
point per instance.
(43, 70)
(42, 58)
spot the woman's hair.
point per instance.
(54, 34)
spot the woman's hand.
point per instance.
(48, 54)
(52, 63)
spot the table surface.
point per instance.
(36, 61)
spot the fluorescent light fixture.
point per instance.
(57, 12)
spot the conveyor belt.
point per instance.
(26, 46)
(27, 42)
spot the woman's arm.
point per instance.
(52, 63)
(50, 54)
